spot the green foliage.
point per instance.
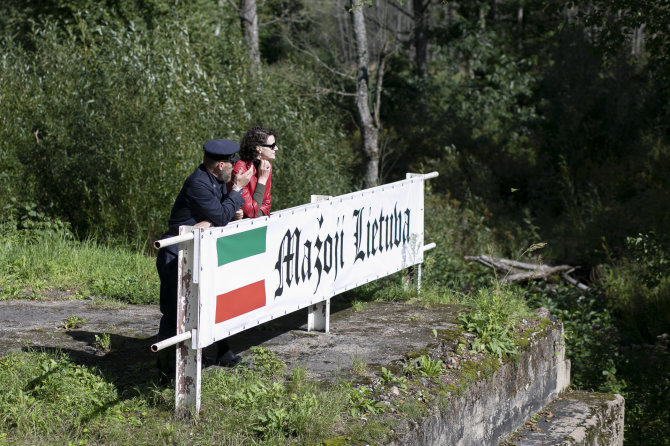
(423, 366)
(591, 335)
(457, 231)
(639, 288)
(389, 378)
(103, 342)
(495, 313)
(261, 407)
(121, 122)
(73, 321)
(41, 259)
(361, 403)
(45, 395)
(266, 362)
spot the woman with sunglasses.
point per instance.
(257, 148)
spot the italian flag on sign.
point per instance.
(237, 257)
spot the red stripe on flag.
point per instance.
(240, 301)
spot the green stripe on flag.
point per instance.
(240, 246)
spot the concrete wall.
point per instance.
(577, 419)
(491, 409)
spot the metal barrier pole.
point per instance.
(173, 240)
(171, 341)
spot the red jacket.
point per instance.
(250, 207)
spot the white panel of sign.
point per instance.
(256, 270)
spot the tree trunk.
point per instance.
(369, 132)
(420, 37)
(638, 41)
(217, 31)
(249, 22)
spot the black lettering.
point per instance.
(389, 233)
(405, 232)
(296, 243)
(339, 242)
(358, 215)
(284, 256)
(328, 254)
(318, 264)
(397, 230)
(375, 228)
(381, 222)
(307, 259)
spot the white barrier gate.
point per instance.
(251, 271)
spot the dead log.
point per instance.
(514, 271)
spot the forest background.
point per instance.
(548, 121)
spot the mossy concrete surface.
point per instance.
(478, 400)
(576, 418)
(359, 342)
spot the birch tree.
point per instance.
(247, 12)
(369, 128)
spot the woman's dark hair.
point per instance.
(255, 136)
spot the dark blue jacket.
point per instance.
(202, 198)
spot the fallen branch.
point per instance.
(514, 271)
(537, 273)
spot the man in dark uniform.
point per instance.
(203, 202)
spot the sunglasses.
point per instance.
(271, 146)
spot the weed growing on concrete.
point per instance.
(389, 378)
(423, 366)
(266, 361)
(361, 403)
(72, 322)
(103, 342)
(495, 313)
(359, 365)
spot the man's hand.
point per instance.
(203, 224)
(263, 171)
(239, 215)
(242, 178)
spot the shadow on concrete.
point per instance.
(130, 361)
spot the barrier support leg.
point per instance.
(408, 278)
(318, 317)
(188, 370)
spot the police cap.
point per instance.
(221, 149)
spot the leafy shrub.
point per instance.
(639, 288)
(260, 406)
(592, 339)
(457, 232)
